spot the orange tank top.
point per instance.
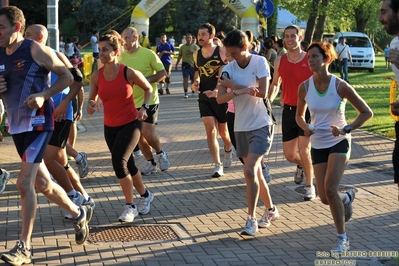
(292, 75)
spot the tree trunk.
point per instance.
(361, 18)
(272, 21)
(310, 25)
(318, 34)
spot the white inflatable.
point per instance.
(245, 9)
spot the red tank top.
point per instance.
(117, 97)
(292, 76)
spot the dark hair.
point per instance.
(250, 35)
(295, 27)
(114, 39)
(163, 34)
(14, 15)
(280, 43)
(268, 43)
(221, 35)
(326, 49)
(394, 5)
(95, 31)
(236, 38)
(211, 29)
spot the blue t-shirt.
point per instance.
(386, 51)
(166, 58)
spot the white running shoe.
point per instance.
(149, 169)
(310, 193)
(228, 159)
(342, 245)
(268, 217)
(218, 171)
(128, 214)
(137, 153)
(163, 161)
(78, 199)
(251, 227)
(82, 165)
(145, 203)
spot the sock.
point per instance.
(272, 209)
(71, 193)
(227, 151)
(160, 152)
(1, 172)
(78, 158)
(145, 195)
(342, 236)
(130, 204)
(300, 167)
(152, 162)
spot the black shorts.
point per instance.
(60, 133)
(321, 155)
(290, 128)
(152, 114)
(212, 108)
(31, 145)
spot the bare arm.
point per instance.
(301, 109)
(138, 79)
(46, 58)
(91, 104)
(196, 81)
(364, 111)
(274, 87)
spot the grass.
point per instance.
(376, 93)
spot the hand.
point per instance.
(35, 101)
(395, 108)
(336, 131)
(79, 115)
(195, 86)
(211, 94)
(248, 90)
(393, 56)
(142, 114)
(309, 130)
(60, 111)
(91, 107)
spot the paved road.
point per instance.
(208, 213)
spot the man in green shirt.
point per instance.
(149, 64)
(186, 52)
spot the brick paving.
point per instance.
(210, 211)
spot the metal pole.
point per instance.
(4, 3)
(52, 24)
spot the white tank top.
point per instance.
(325, 110)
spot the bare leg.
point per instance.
(211, 136)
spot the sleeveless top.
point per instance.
(292, 76)
(325, 110)
(25, 77)
(208, 69)
(117, 97)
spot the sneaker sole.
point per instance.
(128, 221)
(152, 172)
(216, 175)
(244, 233)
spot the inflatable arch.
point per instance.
(245, 9)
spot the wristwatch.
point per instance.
(348, 129)
(146, 106)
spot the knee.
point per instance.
(324, 200)
(331, 194)
(249, 173)
(290, 156)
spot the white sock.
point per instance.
(348, 199)
(78, 158)
(342, 236)
(71, 193)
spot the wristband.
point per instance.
(234, 92)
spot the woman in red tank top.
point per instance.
(122, 122)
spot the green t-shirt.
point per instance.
(186, 55)
(148, 63)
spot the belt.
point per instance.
(289, 107)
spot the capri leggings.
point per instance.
(121, 142)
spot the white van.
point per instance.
(361, 48)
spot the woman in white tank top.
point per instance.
(325, 95)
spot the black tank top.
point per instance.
(208, 71)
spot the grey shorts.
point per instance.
(258, 141)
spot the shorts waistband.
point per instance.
(289, 107)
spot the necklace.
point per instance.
(294, 61)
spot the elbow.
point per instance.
(218, 100)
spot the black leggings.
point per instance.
(121, 142)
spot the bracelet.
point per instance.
(234, 92)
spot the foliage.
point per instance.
(69, 27)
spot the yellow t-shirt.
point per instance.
(144, 42)
(148, 63)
